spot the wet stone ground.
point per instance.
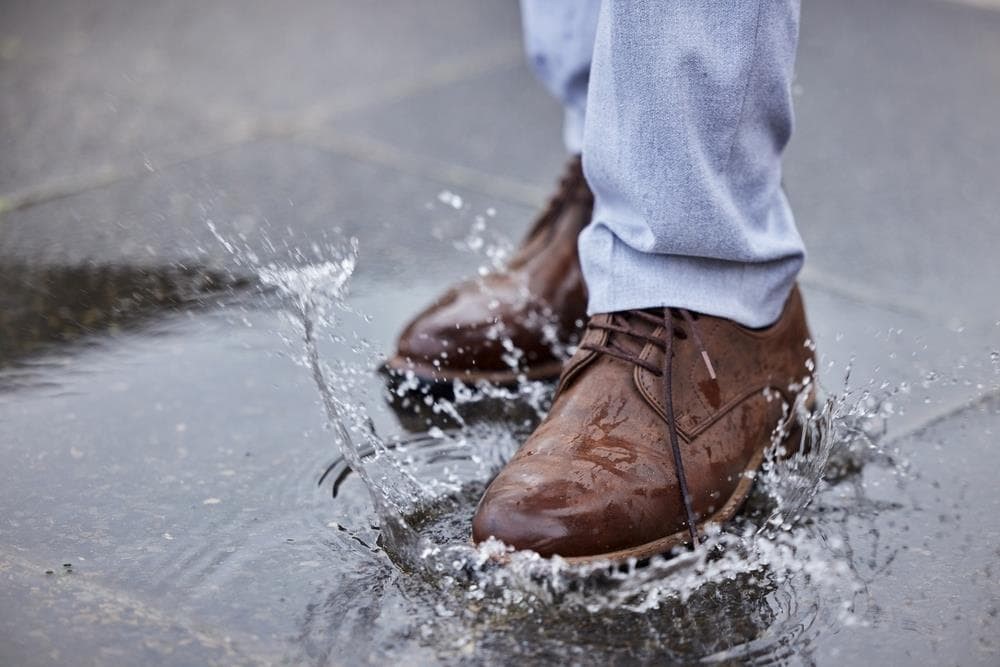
(164, 444)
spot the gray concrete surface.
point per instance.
(126, 126)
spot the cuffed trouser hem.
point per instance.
(622, 278)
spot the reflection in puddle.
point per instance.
(40, 306)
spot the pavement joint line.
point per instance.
(59, 188)
(439, 75)
(447, 173)
(107, 175)
(834, 284)
(246, 129)
(946, 412)
(230, 643)
(991, 5)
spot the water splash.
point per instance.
(423, 490)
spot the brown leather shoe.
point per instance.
(636, 455)
(539, 303)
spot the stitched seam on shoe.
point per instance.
(645, 380)
(729, 406)
(584, 361)
(689, 435)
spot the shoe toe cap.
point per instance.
(530, 506)
(512, 519)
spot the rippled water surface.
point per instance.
(210, 471)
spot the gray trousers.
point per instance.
(681, 111)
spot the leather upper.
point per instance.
(538, 303)
(598, 476)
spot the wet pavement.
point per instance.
(163, 444)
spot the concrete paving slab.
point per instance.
(67, 618)
(168, 450)
(501, 123)
(94, 83)
(268, 192)
(57, 129)
(929, 542)
(892, 170)
(930, 369)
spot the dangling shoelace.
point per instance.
(665, 371)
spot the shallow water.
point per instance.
(222, 478)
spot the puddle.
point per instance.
(232, 475)
(423, 490)
(42, 306)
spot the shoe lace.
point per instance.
(620, 323)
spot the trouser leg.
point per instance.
(559, 40)
(688, 110)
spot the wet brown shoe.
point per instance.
(537, 306)
(636, 455)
